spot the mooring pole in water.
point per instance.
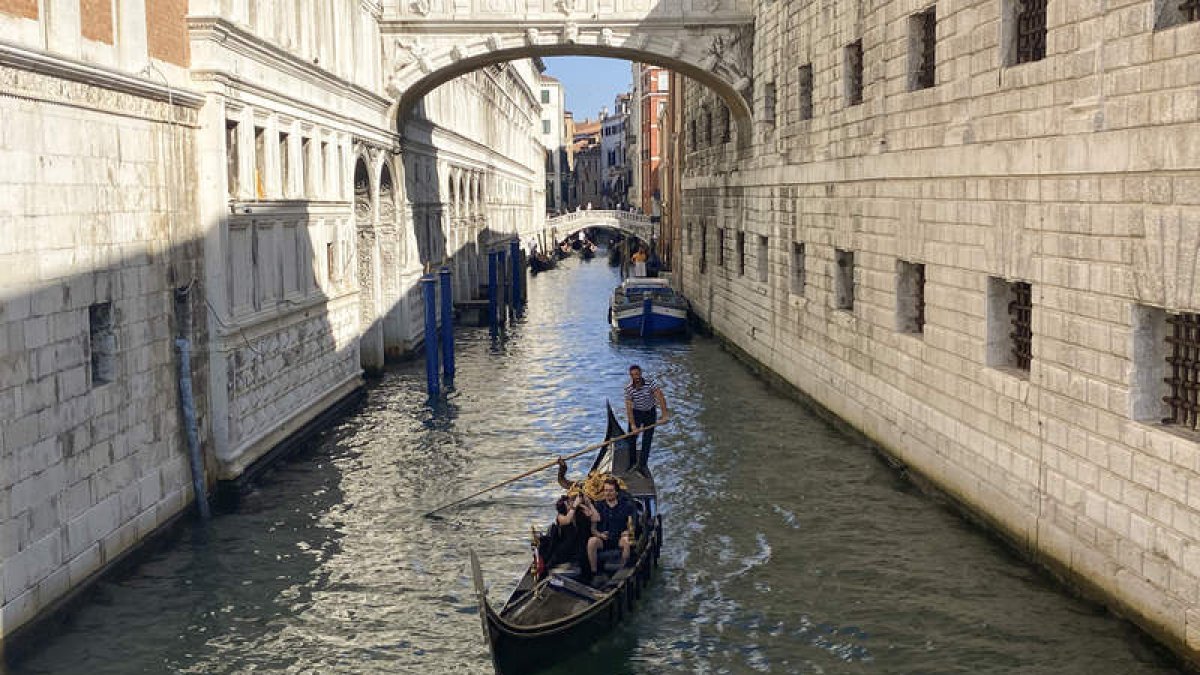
(502, 297)
(429, 290)
(447, 328)
(492, 313)
(514, 250)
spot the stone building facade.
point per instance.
(968, 229)
(229, 172)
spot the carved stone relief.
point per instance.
(729, 56)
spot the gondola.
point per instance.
(587, 252)
(551, 617)
(540, 262)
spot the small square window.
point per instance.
(1024, 28)
(763, 256)
(843, 279)
(1009, 324)
(853, 72)
(922, 49)
(1168, 13)
(798, 263)
(910, 297)
(740, 251)
(102, 342)
(806, 91)
(545, 96)
(769, 103)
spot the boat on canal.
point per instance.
(647, 306)
(554, 615)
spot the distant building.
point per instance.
(588, 165)
(553, 134)
(612, 151)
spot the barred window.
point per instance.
(1169, 13)
(769, 103)
(910, 297)
(806, 91)
(843, 280)
(922, 54)
(853, 71)
(1010, 324)
(1029, 31)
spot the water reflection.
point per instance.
(790, 548)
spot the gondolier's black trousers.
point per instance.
(645, 418)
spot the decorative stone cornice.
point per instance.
(241, 41)
(100, 77)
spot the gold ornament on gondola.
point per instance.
(593, 485)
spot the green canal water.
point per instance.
(790, 547)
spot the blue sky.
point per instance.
(590, 81)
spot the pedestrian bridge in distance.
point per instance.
(624, 221)
(429, 42)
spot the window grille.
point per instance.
(769, 103)
(703, 249)
(102, 343)
(1190, 9)
(925, 55)
(1020, 312)
(1184, 364)
(726, 124)
(806, 92)
(1031, 30)
(741, 252)
(708, 134)
(920, 299)
(854, 73)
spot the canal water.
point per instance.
(790, 547)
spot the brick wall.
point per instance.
(96, 19)
(166, 31)
(27, 9)
(1075, 173)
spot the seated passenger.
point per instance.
(615, 512)
(572, 527)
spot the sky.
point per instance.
(590, 81)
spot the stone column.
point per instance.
(366, 199)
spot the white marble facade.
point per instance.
(237, 171)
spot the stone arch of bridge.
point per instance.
(718, 56)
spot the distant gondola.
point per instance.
(548, 618)
(540, 262)
(614, 254)
(588, 251)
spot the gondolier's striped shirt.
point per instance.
(642, 397)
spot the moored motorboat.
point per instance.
(647, 307)
(553, 615)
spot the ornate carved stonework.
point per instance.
(729, 55)
(494, 41)
(420, 7)
(458, 53)
(531, 34)
(606, 36)
(565, 6)
(409, 52)
(570, 32)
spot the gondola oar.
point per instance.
(543, 467)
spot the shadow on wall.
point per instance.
(94, 452)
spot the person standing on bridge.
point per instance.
(643, 397)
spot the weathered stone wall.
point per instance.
(98, 223)
(1077, 174)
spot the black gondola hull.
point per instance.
(519, 646)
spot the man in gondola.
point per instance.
(615, 510)
(643, 397)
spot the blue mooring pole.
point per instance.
(429, 290)
(514, 250)
(447, 328)
(492, 314)
(502, 297)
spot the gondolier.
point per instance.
(643, 397)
